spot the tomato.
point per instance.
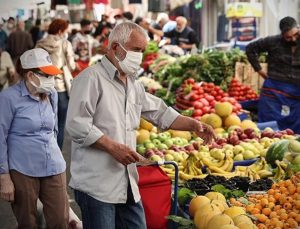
(194, 97)
(197, 112)
(205, 110)
(209, 98)
(195, 87)
(191, 81)
(198, 105)
(210, 85)
(218, 97)
(213, 93)
(200, 90)
(204, 102)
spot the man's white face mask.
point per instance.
(132, 61)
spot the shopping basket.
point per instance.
(155, 189)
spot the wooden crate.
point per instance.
(246, 75)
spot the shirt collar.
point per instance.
(24, 90)
(112, 71)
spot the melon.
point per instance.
(203, 118)
(223, 109)
(277, 151)
(182, 134)
(232, 120)
(234, 211)
(222, 205)
(245, 124)
(218, 221)
(214, 121)
(241, 219)
(204, 214)
(229, 226)
(196, 203)
(142, 136)
(215, 196)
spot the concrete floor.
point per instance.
(7, 219)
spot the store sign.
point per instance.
(244, 9)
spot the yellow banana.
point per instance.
(185, 176)
(209, 163)
(264, 173)
(217, 170)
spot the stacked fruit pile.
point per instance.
(241, 92)
(211, 212)
(279, 207)
(200, 98)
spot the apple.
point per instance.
(149, 145)
(163, 136)
(248, 131)
(169, 157)
(289, 131)
(155, 158)
(153, 136)
(229, 153)
(156, 142)
(162, 146)
(248, 155)
(238, 157)
(149, 153)
(168, 142)
(185, 141)
(178, 141)
(189, 147)
(141, 149)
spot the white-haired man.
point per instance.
(106, 104)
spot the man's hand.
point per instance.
(124, 154)
(205, 132)
(263, 74)
(7, 188)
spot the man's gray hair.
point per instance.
(121, 32)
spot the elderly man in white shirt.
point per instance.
(106, 104)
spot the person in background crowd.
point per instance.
(182, 36)
(84, 36)
(36, 32)
(82, 58)
(72, 35)
(9, 26)
(61, 53)
(31, 163)
(165, 23)
(280, 94)
(104, 23)
(7, 70)
(128, 16)
(106, 105)
(19, 41)
(3, 37)
(119, 18)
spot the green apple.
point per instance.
(178, 141)
(248, 155)
(238, 157)
(153, 136)
(155, 158)
(162, 146)
(168, 142)
(168, 134)
(228, 146)
(238, 149)
(178, 157)
(185, 141)
(170, 151)
(147, 141)
(294, 146)
(296, 160)
(169, 157)
(268, 129)
(217, 154)
(149, 145)
(204, 148)
(141, 149)
(229, 153)
(156, 142)
(162, 137)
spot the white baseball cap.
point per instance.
(39, 58)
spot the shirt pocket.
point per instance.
(134, 114)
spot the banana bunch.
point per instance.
(192, 165)
(262, 168)
(222, 167)
(280, 173)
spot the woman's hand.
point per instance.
(7, 188)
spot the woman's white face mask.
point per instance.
(132, 61)
(46, 83)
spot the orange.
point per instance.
(264, 202)
(266, 211)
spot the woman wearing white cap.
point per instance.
(31, 163)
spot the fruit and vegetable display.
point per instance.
(248, 177)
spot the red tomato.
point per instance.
(209, 98)
(204, 102)
(197, 112)
(218, 97)
(205, 110)
(200, 90)
(191, 81)
(198, 105)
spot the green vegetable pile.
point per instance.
(227, 192)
